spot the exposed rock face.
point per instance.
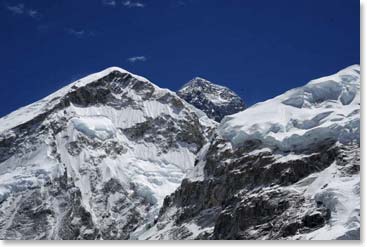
(95, 159)
(256, 196)
(215, 100)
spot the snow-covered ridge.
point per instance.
(325, 108)
(29, 112)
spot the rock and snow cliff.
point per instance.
(287, 168)
(95, 159)
(112, 156)
(215, 100)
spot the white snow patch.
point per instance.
(95, 126)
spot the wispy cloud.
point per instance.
(111, 3)
(131, 4)
(76, 33)
(137, 59)
(33, 13)
(16, 9)
(79, 33)
(21, 9)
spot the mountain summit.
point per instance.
(215, 100)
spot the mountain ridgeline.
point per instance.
(113, 156)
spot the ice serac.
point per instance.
(286, 168)
(215, 100)
(95, 159)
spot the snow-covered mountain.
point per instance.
(287, 168)
(215, 100)
(113, 156)
(95, 159)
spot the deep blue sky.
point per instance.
(257, 48)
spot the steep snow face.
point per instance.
(215, 100)
(287, 168)
(95, 159)
(326, 108)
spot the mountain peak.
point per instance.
(106, 148)
(98, 75)
(109, 75)
(215, 100)
(200, 82)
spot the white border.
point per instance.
(363, 4)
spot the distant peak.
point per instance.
(198, 78)
(199, 82)
(215, 100)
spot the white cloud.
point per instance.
(109, 2)
(77, 33)
(32, 13)
(137, 59)
(20, 9)
(131, 4)
(16, 9)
